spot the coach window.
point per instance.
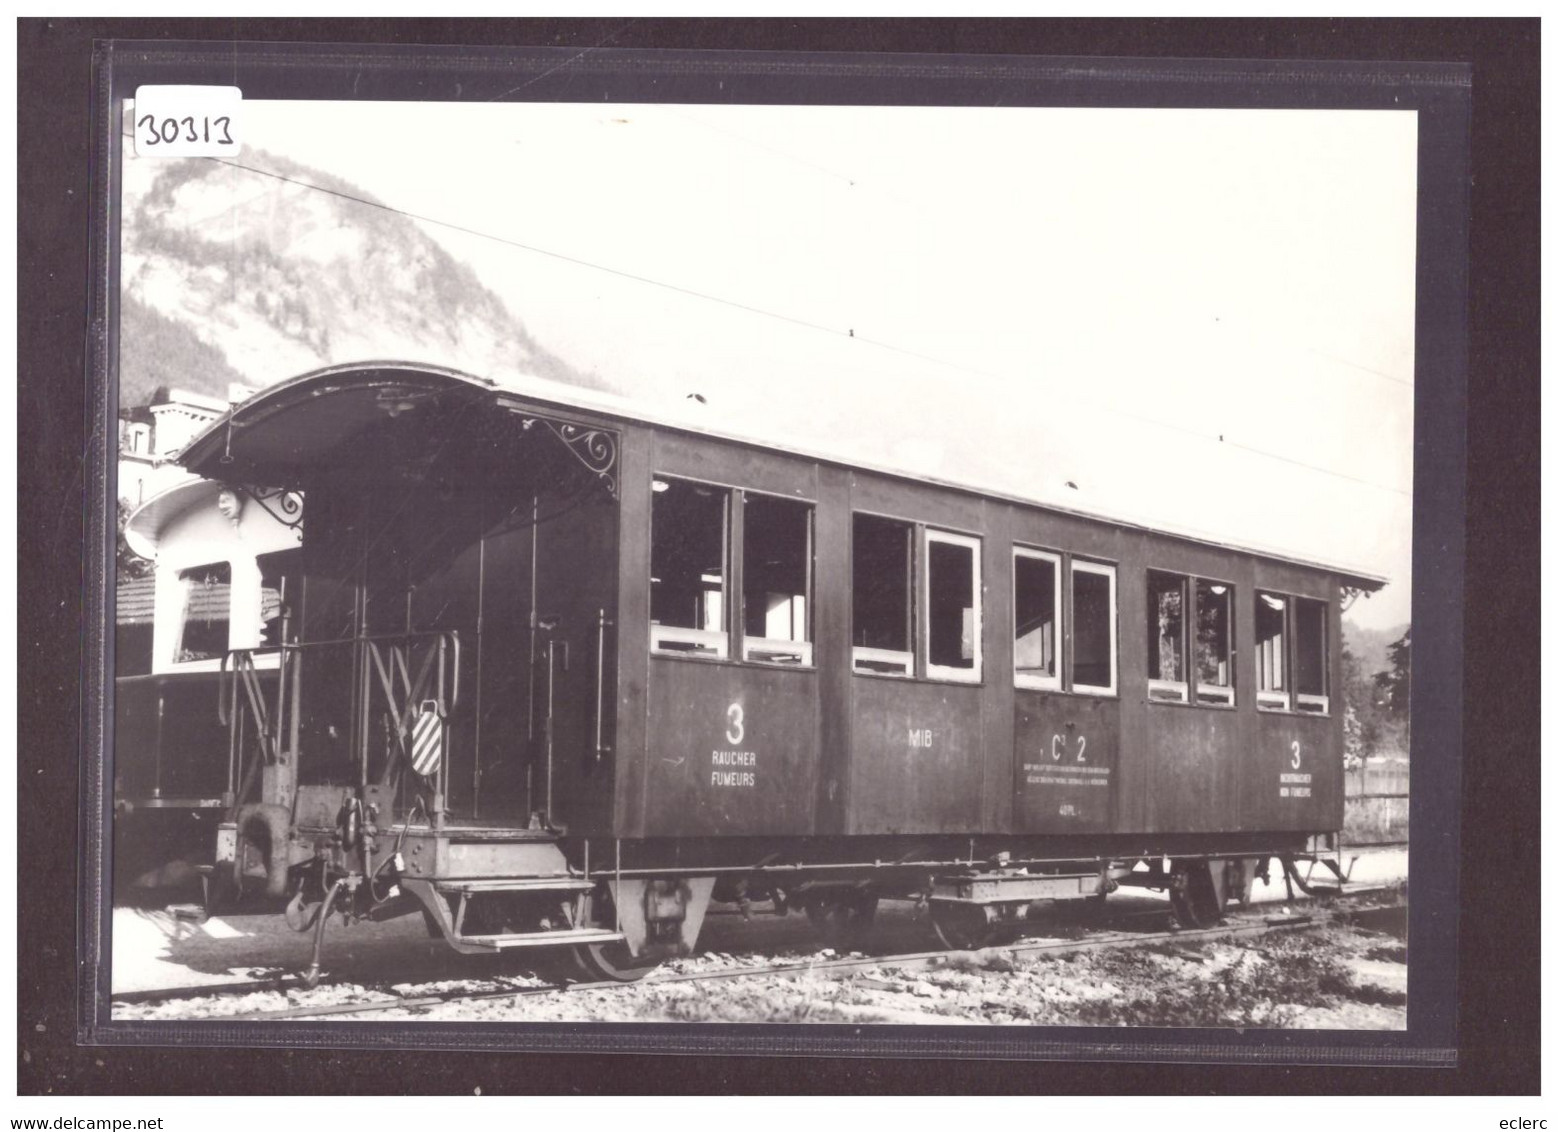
(1271, 637)
(1214, 642)
(883, 571)
(1166, 637)
(776, 557)
(205, 612)
(1309, 654)
(952, 606)
(1092, 628)
(1036, 618)
(688, 569)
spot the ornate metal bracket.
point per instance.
(280, 503)
(1350, 594)
(595, 448)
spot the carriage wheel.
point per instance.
(611, 962)
(1194, 895)
(963, 927)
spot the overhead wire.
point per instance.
(929, 212)
(849, 334)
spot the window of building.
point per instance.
(1309, 656)
(952, 605)
(688, 569)
(1036, 618)
(1092, 628)
(883, 565)
(1214, 642)
(776, 563)
(1271, 636)
(205, 612)
(1166, 679)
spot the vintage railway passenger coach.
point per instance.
(558, 674)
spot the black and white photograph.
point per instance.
(705, 561)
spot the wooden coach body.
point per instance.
(442, 503)
(836, 751)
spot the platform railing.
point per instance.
(239, 688)
(394, 674)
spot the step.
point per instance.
(541, 939)
(515, 884)
(996, 888)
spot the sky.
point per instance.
(1197, 319)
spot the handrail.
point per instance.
(601, 621)
(386, 655)
(294, 646)
(238, 670)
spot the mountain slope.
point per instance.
(267, 271)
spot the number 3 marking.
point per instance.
(737, 730)
(1296, 758)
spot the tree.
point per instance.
(1393, 689)
(1361, 725)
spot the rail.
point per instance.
(1122, 934)
(395, 673)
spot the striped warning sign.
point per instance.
(427, 740)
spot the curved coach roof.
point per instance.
(143, 529)
(289, 427)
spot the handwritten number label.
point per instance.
(737, 730)
(166, 132)
(1297, 759)
(187, 121)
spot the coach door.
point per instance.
(570, 642)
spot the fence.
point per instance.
(1377, 801)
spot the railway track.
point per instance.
(1242, 924)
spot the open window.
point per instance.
(1310, 690)
(1166, 676)
(1093, 614)
(776, 580)
(1271, 643)
(952, 607)
(1035, 618)
(1214, 642)
(205, 612)
(883, 572)
(688, 569)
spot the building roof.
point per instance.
(134, 600)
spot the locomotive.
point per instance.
(555, 674)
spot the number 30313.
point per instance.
(166, 131)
